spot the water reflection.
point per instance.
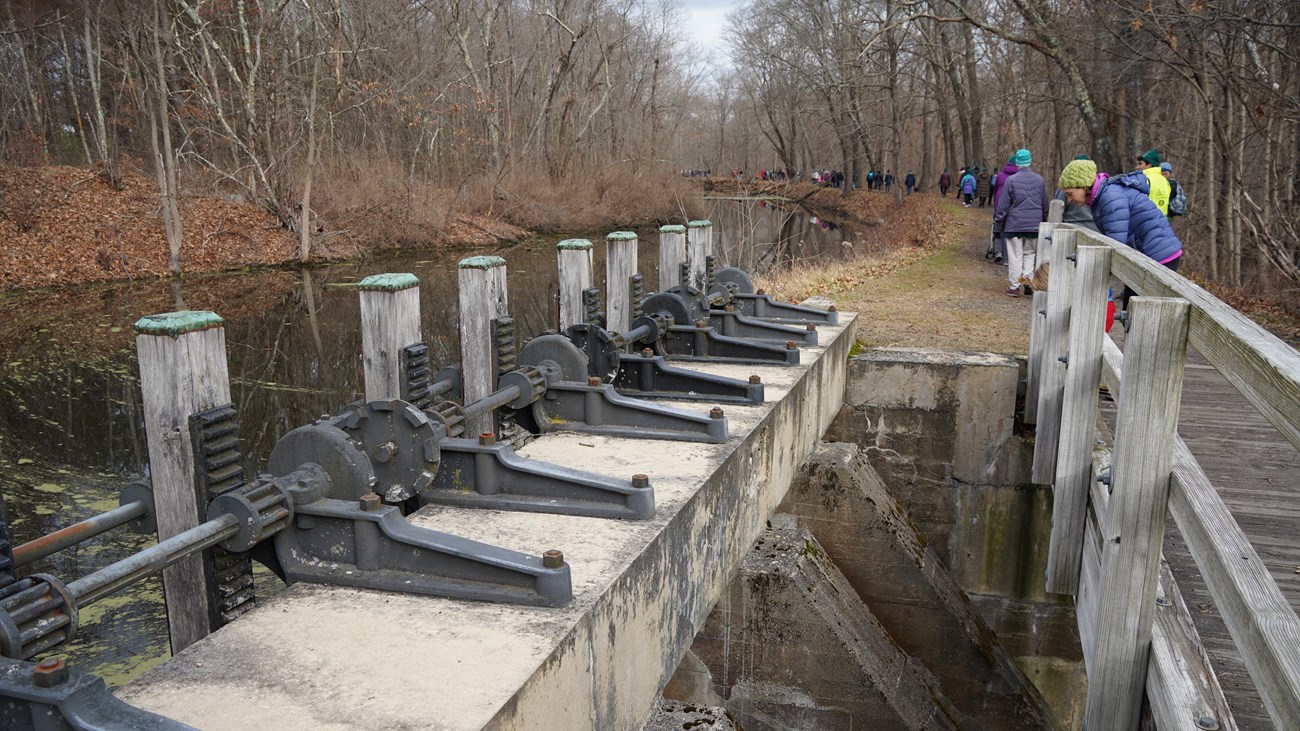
(762, 235)
(71, 424)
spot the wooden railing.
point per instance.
(1106, 542)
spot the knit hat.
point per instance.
(1151, 157)
(1166, 167)
(1023, 158)
(1082, 157)
(1078, 174)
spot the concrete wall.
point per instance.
(940, 428)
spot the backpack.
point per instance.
(1177, 201)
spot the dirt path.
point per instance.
(951, 299)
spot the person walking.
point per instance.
(1123, 210)
(967, 188)
(1021, 207)
(889, 180)
(910, 181)
(945, 182)
(1000, 180)
(983, 182)
(1177, 196)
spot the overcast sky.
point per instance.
(705, 22)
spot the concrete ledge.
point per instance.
(331, 658)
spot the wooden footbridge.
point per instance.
(1206, 427)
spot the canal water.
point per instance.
(71, 431)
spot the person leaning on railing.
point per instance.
(1124, 212)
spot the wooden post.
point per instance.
(1078, 419)
(699, 246)
(1034, 367)
(182, 372)
(620, 266)
(482, 281)
(1051, 372)
(574, 261)
(1145, 432)
(390, 321)
(672, 252)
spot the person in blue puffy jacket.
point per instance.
(1123, 210)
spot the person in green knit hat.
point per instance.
(1149, 164)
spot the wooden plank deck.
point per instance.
(1257, 473)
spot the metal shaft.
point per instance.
(152, 560)
(490, 402)
(38, 549)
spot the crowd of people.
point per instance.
(1133, 208)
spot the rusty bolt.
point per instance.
(593, 380)
(50, 672)
(760, 291)
(831, 309)
(715, 412)
(1209, 723)
(812, 328)
(640, 481)
(553, 559)
(487, 439)
(384, 452)
(755, 379)
(791, 345)
(702, 323)
(647, 352)
(730, 308)
(369, 502)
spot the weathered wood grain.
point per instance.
(181, 373)
(1078, 417)
(573, 258)
(620, 267)
(672, 252)
(1051, 378)
(482, 297)
(1144, 438)
(390, 321)
(699, 247)
(1034, 366)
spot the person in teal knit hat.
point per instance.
(1149, 164)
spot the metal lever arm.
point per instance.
(650, 376)
(490, 475)
(599, 409)
(51, 697)
(687, 343)
(337, 542)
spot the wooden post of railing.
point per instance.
(574, 260)
(1033, 368)
(1051, 372)
(620, 267)
(482, 281)
(1078, 418)
(699, 247)
(1145, 432)
(672, 252)
(182, 372)
(390, 321)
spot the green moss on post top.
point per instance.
(481, 262)
(620, 236)
(672, 228)
(699, 224)
(177, 324)
(573, 244)
(388, 282)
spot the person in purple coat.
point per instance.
(1123, 210)
(945, 182)
(1021, 207)
(1000, 244)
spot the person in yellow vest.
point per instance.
(1149, 164)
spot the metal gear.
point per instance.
(402, 444)
(558, 352)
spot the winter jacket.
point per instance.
(968, 184)
(910, 180)
(1022, 206)
(1124, 211)
(982, 185)
(1007, 171)
(945, 180)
